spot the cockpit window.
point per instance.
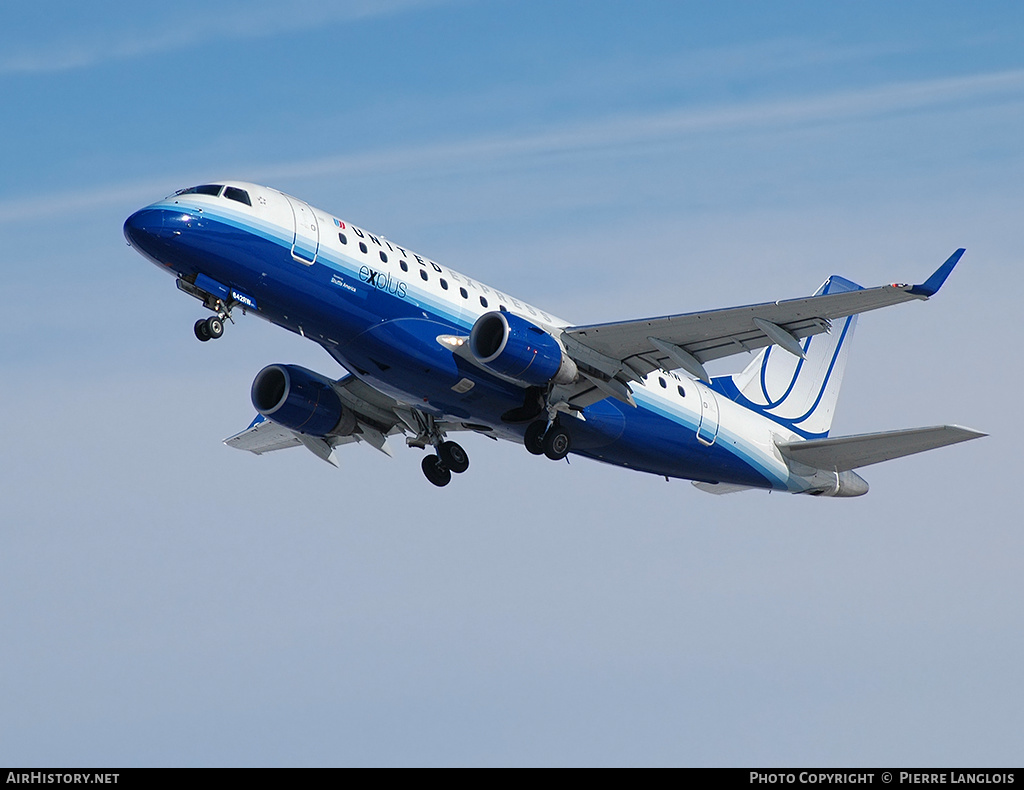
(205, 189)
(234, 193)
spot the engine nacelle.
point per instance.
(513, 347)
(302, 400)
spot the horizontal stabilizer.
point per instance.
(844, 453)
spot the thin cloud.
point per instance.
(87, 50)
(717, 64)
(130, 194)
(643, 128)
(620, 132)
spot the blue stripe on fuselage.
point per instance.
(330, 300)
(661, 437)
(364, 326)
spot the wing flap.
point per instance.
(845, 453)
(721, 489)
(263, 436)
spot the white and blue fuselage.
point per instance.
(395, 319)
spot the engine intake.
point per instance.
(301, 400)
(514, 347)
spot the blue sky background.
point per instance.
(167, 601)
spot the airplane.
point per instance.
(429, 352)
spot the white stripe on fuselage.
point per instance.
(744, 433)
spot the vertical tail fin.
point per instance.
(799, 394)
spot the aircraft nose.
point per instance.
(141, 227)
(146, 230)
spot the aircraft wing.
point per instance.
(264, 436)
(628, 350)
(375, 421)
(844, 453)
(377, 417)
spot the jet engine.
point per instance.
(515, 348)
(301, 400)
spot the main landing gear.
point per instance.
(544, 436)
(450, 458)
(552, 440)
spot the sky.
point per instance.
(168, 601)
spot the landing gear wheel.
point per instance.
(214, 327)
(557, 443)
(534, 437)
(453, 456)
(201, 330)
(436, 472)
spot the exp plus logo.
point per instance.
(383, 281)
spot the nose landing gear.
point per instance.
(209, 328)
(213, 327)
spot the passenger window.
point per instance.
(465, 294)
(682, 393)
(444, 284)
(342, 239)
(404, 265)
(483, 302)
(234, 193)
(502, 308)
(362, 246)
(423, 274)
(661, 381)
(383, 256)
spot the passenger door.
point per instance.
(707, 430)
(306, 243)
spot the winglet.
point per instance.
(932, 285)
